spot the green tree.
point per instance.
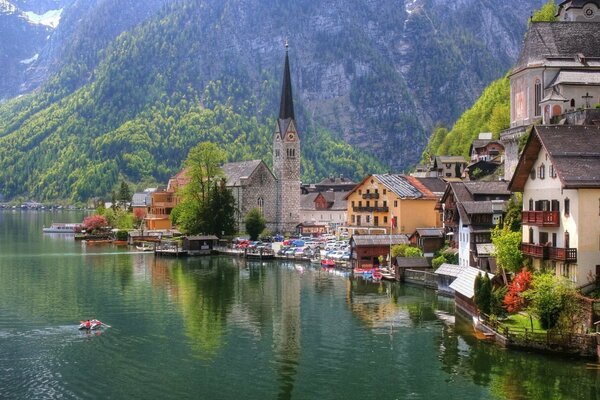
(551, 297)
(483, 293)
(413, 252)
(124, 195)
(399, 250)
(513, 213)
(255, 223)
(507, 246)
(546, 14)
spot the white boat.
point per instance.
(58, 227)
(145, 247)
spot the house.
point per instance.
(559, 176)
(470, 211)
(464, 289)
(449, 166)
(312, 228)
(366, 250)
(446, 274)
(328, 208)
(484, 148)
(429, 240)
(391, 203)
(556, 79)
(142, 201)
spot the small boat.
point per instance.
(58, 227)
(144, 247)
(94, 324)
(377, 276)
(328, 263)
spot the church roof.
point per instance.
(577, 78)
(286, 108)
(573, 150)
(577, 4)
(235, 171)
(559, 40)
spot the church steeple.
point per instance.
(286, 107)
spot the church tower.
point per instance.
(286, 158)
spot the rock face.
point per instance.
(378, 74)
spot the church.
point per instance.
(275, 193)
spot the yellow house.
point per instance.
(398, 203)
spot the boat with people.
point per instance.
(91, 325)
(145, 247)
(61, 227)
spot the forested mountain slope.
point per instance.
(129, 99)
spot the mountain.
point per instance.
(124, 88)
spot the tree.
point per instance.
(507, 246)
(547, 13)
(513, 213)
(95, 223)
(549, 297)
(515, 300)
(399, 250)
(483, 293)
(124, 195)
(255, 223)
(413, 252)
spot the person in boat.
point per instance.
(88, 324)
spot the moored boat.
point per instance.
(59, 227)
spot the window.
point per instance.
(543, 238)
(368, 191)
(552, 171)
(277, 153)
(530, 204)
(261, 205)
(360, 203)
(554, 239)
(384, 203)
(353, 219)
(385, 220)
(565, 270)
(376, 191)
(395, 203)
(352, 203)
(530, 235)
(542, 171)
(567, 207)
(572, 102)
(376, 220)
(555, 205)
(567, 244)
(538, 97)
(384, 191)
(532, 174)
(368, 203)
(368, 217)
(359, 191)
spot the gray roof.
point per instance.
(430, 232)
(449, 269)
(465, 282)
(211, 237)
(485, 249)
(435, 185)
(412, 262)
(556, 40)
(399, 185)
(140, 199)
(307, 201)
(574, 152)
(378, 240)
(450, 159)
(480, 207)
(235, 171)
(489, 187)
(577, 78)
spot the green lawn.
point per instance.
(521, 321)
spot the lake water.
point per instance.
(219, 328)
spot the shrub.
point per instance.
(514, 299)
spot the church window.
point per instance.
(277, 153)
(261, 205)
(538, 97)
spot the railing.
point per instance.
(164, 204)
(370, 209)
(541, 218)
(535, 250)
(370, 196)
(562, 254)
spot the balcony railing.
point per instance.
(541, 218)
(370, 196)
(370, 209)
(535, 250)
(164, 204)
(563, 254)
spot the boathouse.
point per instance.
(199, 245)
(366, 250)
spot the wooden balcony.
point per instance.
(563, 254)
(370, 209)
(541, 218)
(535, 250)
(370, 196)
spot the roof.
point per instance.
(487, 188)
(485, 249)
(234, 172)
(307, 201)
(449, 269)
(335, 181)
(412, 262)
(399, 184)
(573, 150)
(465, 282)
(211, 237)
(140, 199)
(286, 107)
(450, 159)
(554, 96)
(434, 185)
(379, 240)
(430, 232)
(480, 207)
(576, 4)
(576, 78)
(565, 39)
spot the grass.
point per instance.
(521, 321)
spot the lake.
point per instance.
(220, 328)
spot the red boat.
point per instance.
(328, 263)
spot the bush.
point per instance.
(436, 262)
(552, 298)
(122, 235)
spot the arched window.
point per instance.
(261, 205)
(573, 103)
(538, 97)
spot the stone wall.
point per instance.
(260, 185)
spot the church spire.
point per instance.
(286, 108)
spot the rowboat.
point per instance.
(94, 325)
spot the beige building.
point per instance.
(558, 175)
(556, 79)
(398, 203)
